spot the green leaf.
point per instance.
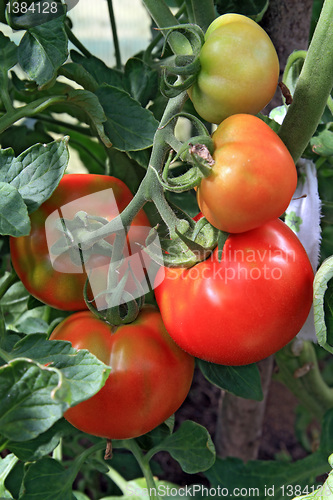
(35, 16)
(322, 143)
(14, 302)
(324, 492)
(154, 437)
(125, 118)
(293, 69)
(6, 465)
(140, 80)
(191, 446)
(20, 137)
(320, 284)
(99, 70)
(35, 173)
(32, 324)
(42, 50)
(81, 496)
(264, 479)
(251, 8)
(84, 373)
(8, 53)
(32, 398)
(48, 479)
(42, 445)
(89, 103)
(125, 169)
(242, 381)
(14, 219)
(80, 75)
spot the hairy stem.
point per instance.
(313, 87)
(299, 371)
(145, 468)
(30, 109)
(149, 189)
(76, 42)
(163, 17)
(7, 283)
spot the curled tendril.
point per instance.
(184, 66)
(196, 151)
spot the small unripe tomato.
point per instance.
(239, 69)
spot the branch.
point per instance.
(313, 87)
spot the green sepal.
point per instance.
(191, 178)
(221, 240)
(182, 65)
(200, 251)
(173, 89)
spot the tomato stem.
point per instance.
(30, 109)
(4, 93)
(72, 38)
(203, 12)
(8, 282)
(150, 189)
(313, 87)
(163, 17)
(299, 371)
(79, 461)
(118, 480)
(114, 34)
(131, 445)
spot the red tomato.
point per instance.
(56, 280)
(150, 375)
(253, 179)
(244, 308)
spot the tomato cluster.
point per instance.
(233, 308)
(150, 375)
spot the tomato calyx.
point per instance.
(196, 151)
(181, 71)
(122, 307)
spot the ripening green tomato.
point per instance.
(253, 178)
(239, 69)
(149, 379)
(57, 280)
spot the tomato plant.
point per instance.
(61, 284)
(239, 69)
(150, 375)
(253, 177)
(238, 305)
(245, 307)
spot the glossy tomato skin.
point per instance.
(239, 69)
(62, 288)
(150, 375)
(253, 178)
(246, 307)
